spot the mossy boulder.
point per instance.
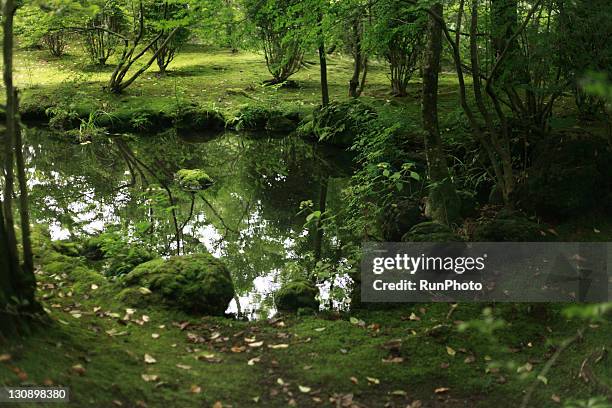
(194, 117)
(509, 227)
(196, 283)
(570, 175)
(193, 180)
(297, 295)
(68, 248)
(339, 123)
(431, 231)
(261, 118)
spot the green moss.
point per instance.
(196, 283)
(193, 180)
(296, 295)
(430, 232)
(509, 227)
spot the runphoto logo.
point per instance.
(423, 263)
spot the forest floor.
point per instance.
(112, 355)
(213, 79)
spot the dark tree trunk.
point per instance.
(360, 66)
(443, 203)
(324, 85)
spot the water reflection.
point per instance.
(250, 217)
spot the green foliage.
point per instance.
(276, 29)
(431, 231)
(50, 23)
(101, 34)
(196, 283)
(120, 256)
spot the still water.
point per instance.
(251, 217)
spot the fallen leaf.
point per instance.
(399, 393)
(555, 398)
(149, 359)
(256, 344)
(373, 380)
(150, 377)
(320, 329)
(278, 346)
(195, 389)
(450, 351)
(414, 317)
(528, 367)
(254, 360)
(217, 404)
(441, 390)
(393, 360)
(354, 380)
(183, 366)
(144, 291)
(280, 381)
(5, 357)
(304, 389)
(155, 335)
(238, 349)
(79, 369)
(444, 365)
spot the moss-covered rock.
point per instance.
(68, 248)
(509, 227)
(194, 117)
(296, 295)
(431, 231)
(469, 203)
(339, 123)
(260, 118)
(196, 283)
(193, 180)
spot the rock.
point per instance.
(260, 118)
(68, 248)
(196, 283)
(194, 117)
(509, 227)
(120, 256)
(296, 295)
(193, 180)
(431, 232)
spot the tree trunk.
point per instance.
(354, 86)
(324, 85)
(443, 203)
(17, 286)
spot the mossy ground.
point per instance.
(329, 354)
(211, 78)
(376, 358)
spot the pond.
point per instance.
(252, 216)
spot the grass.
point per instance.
(96, 345)
(214, 79)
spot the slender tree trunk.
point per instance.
(24, 210)
(8, 13)
(443, 203)
(324, 85)
(318, 240)
(354, 88)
